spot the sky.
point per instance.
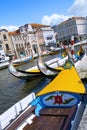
(16, 13)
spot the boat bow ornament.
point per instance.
(46, 70)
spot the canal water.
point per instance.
(13, 89)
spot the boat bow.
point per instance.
(46, 70)
(68, 80)
(23, 74)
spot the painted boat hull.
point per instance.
(24, 75)
(46, 70)
(22, 61)
(60, 105)
(44, 112)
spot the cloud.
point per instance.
(53, 19)
(9, 28)
(78, 8)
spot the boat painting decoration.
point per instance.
(68, 64)
(60, 99)
(55, 107)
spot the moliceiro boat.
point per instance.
(34, 72)
(58, 106)
(21, 61)
(25, 75)
(4, 59)
(50, 69)
(47, 70)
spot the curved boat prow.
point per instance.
(22, 74)
(46, 70)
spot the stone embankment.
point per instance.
(81, 67)
(83, 123)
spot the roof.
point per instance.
(73, 18)
(15, 32)
(67, 80)
(3, 30)
(38, 25)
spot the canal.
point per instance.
(13, 89)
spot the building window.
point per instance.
(4, 36)
(7, 46)
(0, 47)
(49, 38)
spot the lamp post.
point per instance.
(36, 35)
(72, 46)
(38, 47)
(27, 42)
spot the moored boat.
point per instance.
(4, 59)
(53, 71)
(4, 62)
(60, 105)
(49, 69)
(46, 70)
(21, 61)
(25, 75)
(34, 72)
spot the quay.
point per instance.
(83, 123)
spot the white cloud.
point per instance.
(53, 19)
(78, 8)
(9, 28)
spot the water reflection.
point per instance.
(13, 89)
(35, 85)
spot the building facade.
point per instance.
(39, 36)
(76, 26)
(31, 39)
(5, 42)
(49, 36)
(17, 41)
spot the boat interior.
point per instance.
(61, 117)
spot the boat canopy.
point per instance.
(67, 80)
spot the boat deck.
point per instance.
(52, 119)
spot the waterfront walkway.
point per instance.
(83, 123)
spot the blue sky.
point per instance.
(14, 13)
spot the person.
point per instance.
(86, 49)
(81, 51)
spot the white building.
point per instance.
(5, 42)
(38, 35)
(76, 26)
(31, 38)
(49, 37)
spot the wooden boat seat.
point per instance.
(55, 111)
(21, 118)
(52, 119)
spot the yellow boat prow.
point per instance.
(67, 80)
(37, 70)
